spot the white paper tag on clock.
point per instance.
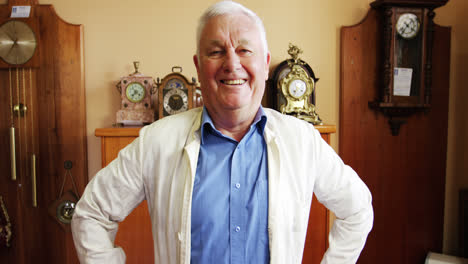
(402, 81)
(20, 11)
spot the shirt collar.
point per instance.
(207, 125)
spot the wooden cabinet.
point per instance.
(134, 234)
(319, 219)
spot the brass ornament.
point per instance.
(63, 207)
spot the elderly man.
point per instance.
(233, 182)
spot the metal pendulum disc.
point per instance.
(17, 42)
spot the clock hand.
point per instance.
(407, 26)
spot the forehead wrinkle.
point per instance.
(219, 43)
(244, 41)
(216, 42)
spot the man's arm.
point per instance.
(108, 198)
(341, 190)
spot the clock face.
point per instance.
(175, 101)
(17, 42)
(407, 25)
(297, 88)
(175, 98)
(135, 92)
(292, 90)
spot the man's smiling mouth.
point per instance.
(233, 82)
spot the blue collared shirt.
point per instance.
(230, 197)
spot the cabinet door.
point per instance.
(319, 217)
(135, 234)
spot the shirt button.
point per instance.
(237, 228)
(237, 185)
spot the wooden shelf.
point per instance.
(133, 131)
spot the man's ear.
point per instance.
(197, 66)
(195, 61)
(267, 65)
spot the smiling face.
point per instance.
(232, 66)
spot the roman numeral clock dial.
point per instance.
(177, 94)
(407, 25)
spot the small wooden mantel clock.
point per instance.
(176, 93)
(407, 29)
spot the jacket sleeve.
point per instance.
(108, 198)
(341, 190)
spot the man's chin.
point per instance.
(243, 107)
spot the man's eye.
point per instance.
(215, 53)
(245, 51)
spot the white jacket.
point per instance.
(160, 166)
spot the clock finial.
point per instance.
(136, 64)
(294, 51)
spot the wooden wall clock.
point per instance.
(407, 32)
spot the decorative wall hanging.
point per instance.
(63, 208)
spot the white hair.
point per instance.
(227, 8)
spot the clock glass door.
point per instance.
(408, 54)
(19, 166)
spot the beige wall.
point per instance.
(160, 34)
(454, 14)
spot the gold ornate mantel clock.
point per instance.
(176, 94)
(136, 90)
(294, 83)
(406, 28)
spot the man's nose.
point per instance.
(231, 62)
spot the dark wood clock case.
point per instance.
(414, 54)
